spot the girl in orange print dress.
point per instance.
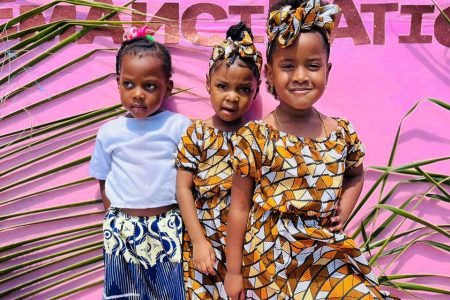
(291, 169)
(204, 175)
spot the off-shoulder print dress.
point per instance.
(288, 251)
(205, 151)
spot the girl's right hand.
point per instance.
(336, 222)
(204, 257)
(234, 286)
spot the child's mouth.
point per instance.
(300, 90)
(138, 107)
(228, 111)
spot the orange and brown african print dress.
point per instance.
(288, 251)
(205, 151)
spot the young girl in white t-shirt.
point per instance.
(134, 161)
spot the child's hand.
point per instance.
(336, 223)
(204, 257)
(234, 286)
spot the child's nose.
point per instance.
(300, 75)
(138, 93)
(232, 97)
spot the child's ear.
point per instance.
(208, 82)
(329, 65)
(269, 73)
(169, 88)
(118, 81)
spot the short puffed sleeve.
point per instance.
(190, 147)
(100, 164)
(248, 149)
(355, 148)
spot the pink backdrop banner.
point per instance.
(386, 56)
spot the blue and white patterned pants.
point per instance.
(143, 256)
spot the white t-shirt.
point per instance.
(136, 158)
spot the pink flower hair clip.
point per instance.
(134, 33)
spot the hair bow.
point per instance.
(285, 24)
(134, 33)
(230, 49)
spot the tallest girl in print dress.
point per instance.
(291, 169)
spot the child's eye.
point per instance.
(287, 66)
(127, 84)
(221, 86)
(245, 90)
(314, 66)
(150, 86)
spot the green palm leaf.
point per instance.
(52, 73)
(55, 188)
(416, 287)
(58, 207)
(51, 153)
(52, 274)
(402, 234)
(9, 24)
(56, 135)
(414, 218)
(55, 48)
(44, 246)
(73, 252)
(95, 245)
(73, 291)
(55, 97)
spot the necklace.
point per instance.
(318, 114)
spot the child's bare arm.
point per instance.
(351, 189)
(241, 194)
(204, 256)
(106, 202)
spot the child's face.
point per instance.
(232, 89)
(299, 73)
(142, 84)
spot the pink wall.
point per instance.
(373, 83)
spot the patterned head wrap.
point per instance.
(134, 33)
(285, 24)
(230, 49)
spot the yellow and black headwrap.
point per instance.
(229, 50)
(285, 24)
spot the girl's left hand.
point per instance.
(336, 222)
